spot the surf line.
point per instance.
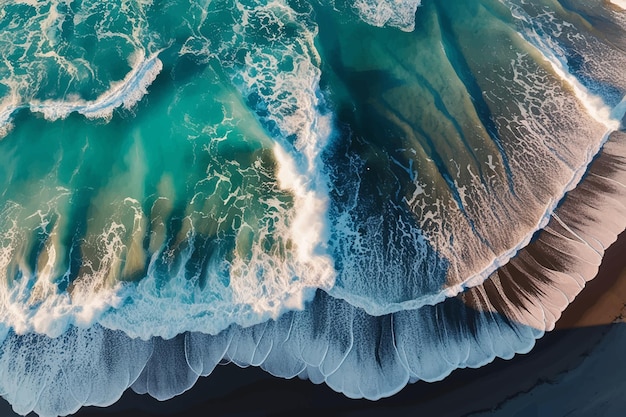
(597, 109)
(124, 93)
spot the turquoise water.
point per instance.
(326, 190)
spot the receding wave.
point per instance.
(363, 195)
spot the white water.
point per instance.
(619, 3)
(125, 93)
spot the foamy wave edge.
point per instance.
(125, 93)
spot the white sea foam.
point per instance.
(125, 93)
(6, 118)
(30, 301)
(309, 227)
(39, 60)
(619, 3)
(394, 13)
(293, 100)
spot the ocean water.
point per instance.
(364, 194)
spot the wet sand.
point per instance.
(604, 298)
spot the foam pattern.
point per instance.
(58, 376)
(239, 237)
(277, 184)
(413, 209)
(67, 74)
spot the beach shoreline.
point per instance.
(231, 390)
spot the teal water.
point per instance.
(261, 182)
